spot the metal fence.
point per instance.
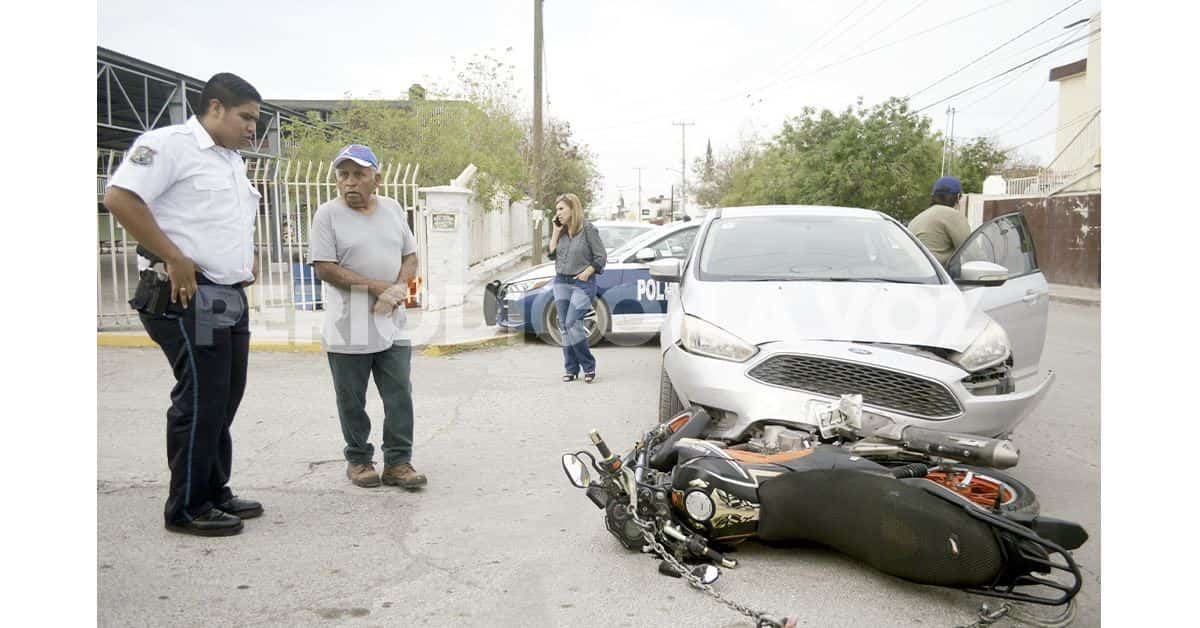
(291, 192)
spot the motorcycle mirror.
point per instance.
(576, 471)
(707, 574)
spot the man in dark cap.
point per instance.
(942, 228)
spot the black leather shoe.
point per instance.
(242, 508)
(215, 522)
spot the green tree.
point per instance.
(883, 157)
(474, 121)
(975, 161)
(716, 175)
(567, 165)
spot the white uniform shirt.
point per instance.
(199, 195)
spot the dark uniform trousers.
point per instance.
(207, 346)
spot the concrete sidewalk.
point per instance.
(1075, 295)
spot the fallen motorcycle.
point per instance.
(933, 521)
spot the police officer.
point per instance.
(182, 192)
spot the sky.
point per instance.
(624, 72)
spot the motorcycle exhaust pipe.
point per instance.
(977, 450)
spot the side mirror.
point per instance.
(668, 270)
(576, 471)
(982, 274)
(645, 255)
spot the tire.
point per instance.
(1024, 500)
(669, 404)
(597, 323)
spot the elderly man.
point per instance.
(362, 246)
(942, 228)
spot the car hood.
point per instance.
(939, 316)
(541, 271)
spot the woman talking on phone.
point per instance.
(578, 255)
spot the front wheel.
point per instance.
(596, 323)
(985, 486)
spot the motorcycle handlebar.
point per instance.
(980, 450)
(600, 445)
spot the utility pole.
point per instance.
(682, 167)
(639, 202)
(948, 141)
(953, 113)
(535, 209)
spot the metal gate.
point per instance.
(291, 192)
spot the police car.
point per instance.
(628, 302)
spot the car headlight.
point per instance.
(704, 338)
(518, 288)
(988, 349)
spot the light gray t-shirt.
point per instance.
(372, 245)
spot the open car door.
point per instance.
(1022, 304)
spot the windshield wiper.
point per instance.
(874, 280)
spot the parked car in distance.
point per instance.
(781, 309)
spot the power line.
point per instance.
(818, 70)
(812, 43)
(1016, 77)
(855, 23)
(895, 21)
(1072, 122)
(1008, 71)
(1000, 129)
(776, 69)
(993, 50)
(890, 44)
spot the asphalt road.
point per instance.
(499, 537)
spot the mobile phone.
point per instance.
(557, 222)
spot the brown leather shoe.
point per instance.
(363, 475)
(404, 476)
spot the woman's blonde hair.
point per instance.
(576, 207)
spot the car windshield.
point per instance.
(812, 248)
(637, 243)
(615, 237)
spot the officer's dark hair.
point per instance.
(949, 200)
(231, 89)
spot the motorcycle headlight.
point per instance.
(703, 338)
(988, 349)
(519, 288)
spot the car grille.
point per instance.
(881, 388)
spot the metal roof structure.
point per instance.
(134, 96)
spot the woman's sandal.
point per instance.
(589, 377)
(570, 378)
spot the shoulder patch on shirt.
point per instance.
(142, 156)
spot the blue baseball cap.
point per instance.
(947, 185)
(359, 154)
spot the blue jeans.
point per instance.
(573, 300)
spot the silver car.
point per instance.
(782, 309)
